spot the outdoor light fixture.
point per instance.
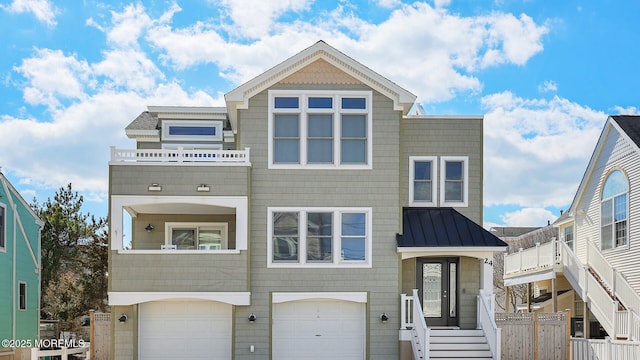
(155, 187)
(149, 228)
(384, 317)
(203, 188)
(252, 318)
(123, 318)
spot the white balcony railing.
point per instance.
(181, 156)
(602, 292)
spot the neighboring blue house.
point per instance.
(19, 270)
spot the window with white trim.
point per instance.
(422, 181)
(196, 236)
(22, 295)
(454, 181)
(319, 237)
(321, 129)
(3, 226)
(191, 130)
(568, 236)
(614, 210)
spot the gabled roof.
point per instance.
(443, 227)
(628, 126)
(6, 185)
(239, 97)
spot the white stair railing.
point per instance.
(412, 318)
(420, 338)
(486, 322)
(596, 291)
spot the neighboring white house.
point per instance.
(598, 251)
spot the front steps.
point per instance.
(453, 344)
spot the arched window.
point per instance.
(614, 211)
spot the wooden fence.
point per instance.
(534, 336)
(100, 336)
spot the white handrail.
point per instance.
(486, 322)
(420, 340)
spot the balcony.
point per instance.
(180, 156)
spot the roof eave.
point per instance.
(238, 98)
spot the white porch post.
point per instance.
(487, 276)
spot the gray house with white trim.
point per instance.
(296, 221)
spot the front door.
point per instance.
(438, 289)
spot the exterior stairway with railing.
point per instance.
(609, 296)
(451, 344)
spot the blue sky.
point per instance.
(544, 73)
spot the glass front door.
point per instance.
(438, 285)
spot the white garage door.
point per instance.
(185, 330)
(319, 329)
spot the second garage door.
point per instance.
(319, 329)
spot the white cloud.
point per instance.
(53, 76)
(388, 4)
(437, 58)
(255, 19)
(629, 110)
(556, 137)
(517, 39)
(43, 10)
(548, 86)
(529, 217)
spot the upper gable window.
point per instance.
(422, 183)
(320, 129)
(454, 180)
(191, 130)
(614, 211)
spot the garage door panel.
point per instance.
(187, 329)
(319, 329)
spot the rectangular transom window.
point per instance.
(2, 226)
(192, 130)
(320, 129)
(196, 236)
(319, 237)
(454, 180)
(22, 295)
(422, 180)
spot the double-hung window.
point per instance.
(197, 236)
(614, 211)
(319, 237)
(422, 184)
(454, 180)
(568, 236)
(321, 129)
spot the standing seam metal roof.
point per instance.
(443, 227)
